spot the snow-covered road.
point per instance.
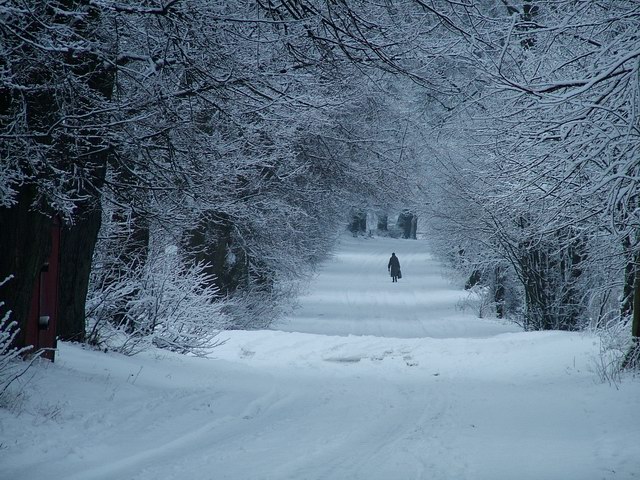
(424, 391)
(353, 294)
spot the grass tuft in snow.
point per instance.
(12, 366)
(615, 345)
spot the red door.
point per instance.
(43, 314)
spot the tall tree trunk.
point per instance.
(499, 292)
(635, 326)
(25, 240)
(358, 223)
(413, 233)
(76, 251)
(211, 242)
(25, 226)
(550, 275)
(626, 305)
(79, 240)
(534, 272)
(632, 359)
(408, 222)
(571, 309)
(383, 222)
(130, 250)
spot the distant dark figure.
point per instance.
(394, 268)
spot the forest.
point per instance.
(198, 158)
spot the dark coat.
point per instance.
(394, 266)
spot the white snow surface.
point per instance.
(368, 380)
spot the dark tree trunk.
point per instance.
(383, 222)
(211, 242)
(25, 237)
(499, 292)
(25, 227)
(130, 250)
(632, 359)
(474, 279)
(135, 249)
(77, 247)
(358, 223)
(571, 309)
(127, 245)
(635, 326)
(535, 271)
(626, 305)
(550, 275)
(408, 222)
(79, 239)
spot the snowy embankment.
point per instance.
(456, 398)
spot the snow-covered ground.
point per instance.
(423, 391)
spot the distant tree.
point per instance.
(407, 222)
(548, 173)
(383, 222)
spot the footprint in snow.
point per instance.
(408, 359)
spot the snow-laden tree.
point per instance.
(548, 161)
(243, 132)
(571, 136)
(187, 113)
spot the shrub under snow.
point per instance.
(162, 303)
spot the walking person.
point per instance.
(394, 268)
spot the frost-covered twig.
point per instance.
(10, 366)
